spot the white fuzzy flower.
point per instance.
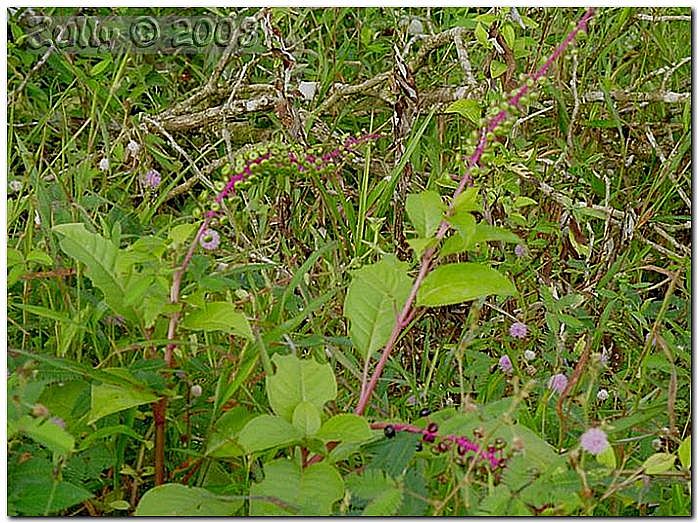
(133, 147)
(104, 164)
(307, 89)
(15, 185)
(602, 395)
(529, 355)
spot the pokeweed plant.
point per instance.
(498, 466)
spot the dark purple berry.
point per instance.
(389, 431)
(442, 446)
(428, 437)
(462, 450)
(432, 428)
(424, 413)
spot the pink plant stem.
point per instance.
(428, 257)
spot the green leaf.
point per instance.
(464, 222)
(39, 257)
(508, 34)
(386, 503)
(101, 66)
(222, 442)
(345, 428)
(607, 457)
(470, 109)
(467, 201)
(482, 37)
(120, 504)
(32, 490)
(174, 499)
(181, 233)
(297, 380)
(267, 432)
(219, 316)
(375, 296)
(459, 282)
(425, 210)
(369, 484)
(100, 256)
(48, 434)
(419, 245)
(306, 418)
(497, 68)
(658, 463)
(488, 233)
(108, 399)
(288, 489)
(685, 453)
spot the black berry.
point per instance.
(389, 431)
(424, 413)
(432, 428)
(419, 446)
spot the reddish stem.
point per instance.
(428, 257)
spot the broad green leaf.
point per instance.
(425, 210)
(488, 233)
(386, 503)
(48, 434)
(508, 34)
(14, 257)
(419, 245)
(658, 463)
(108, 399)
(33, 491)
(181, 233)
(297, 380)
(306, 418)
(100, 256)
(222, 441)
(467, 201)
(345, 428)
(470, 109)
(39, 257)
(685, 453)
(219, 316)
(374, 299)
(464, 223)
(497, 68)
(459, 282)
(607, 457)
(267, 432)
(174, 499)
(453, 245)
(482, 37)
(288, 490)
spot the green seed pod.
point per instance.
(219, 185)
(524, 100)
(252, 155)
(227, 169)
(215, 206)
(196, 213)
(252, 178)
(242, 185)
(490, 136)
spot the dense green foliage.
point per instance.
(570, 255)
